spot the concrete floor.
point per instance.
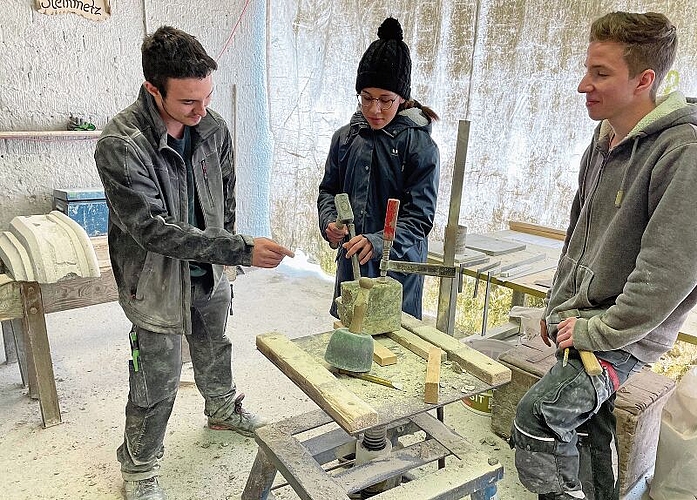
(76, 460)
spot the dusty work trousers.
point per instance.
(153, 388)
(564, 404)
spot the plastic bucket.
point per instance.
(481, 403)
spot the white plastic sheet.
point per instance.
(676, 458)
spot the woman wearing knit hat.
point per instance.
(386, 151)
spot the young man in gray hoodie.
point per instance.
(627, 275)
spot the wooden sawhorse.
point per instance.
(300, 462)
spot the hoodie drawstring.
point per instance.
(623, 184)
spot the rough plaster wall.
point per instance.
(510, 67)
(52, 66)
(314, 95)
(241, 65)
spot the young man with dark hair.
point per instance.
(627, 275)
(166, 163)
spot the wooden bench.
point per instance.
(23, 306)
(638, 407)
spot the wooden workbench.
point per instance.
(536, 281)
(357, 405)
(23, 306)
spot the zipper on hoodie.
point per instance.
(590, 198)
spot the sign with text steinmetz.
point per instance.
(96, 10)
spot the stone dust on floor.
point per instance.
(77, 459)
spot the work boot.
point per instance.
(241, 420)
(146, 489)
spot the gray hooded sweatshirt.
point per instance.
(629, 262)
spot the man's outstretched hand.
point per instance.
(267, 253)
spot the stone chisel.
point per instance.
(388, 234)
(372, 378)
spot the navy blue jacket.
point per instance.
(398, 161)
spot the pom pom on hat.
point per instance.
(390, 29)
(386, 63)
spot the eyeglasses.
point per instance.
(366, 101)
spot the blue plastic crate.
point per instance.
(85, 206)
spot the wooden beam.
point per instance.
(297, 465)
(10, 299)
(432, 376)
(530, 228)
(80, 292)
(414, 343)
(38, 352)
(349, 411)
(382, 355)
(481, 366)
(456, 480)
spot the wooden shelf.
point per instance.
(51, 134)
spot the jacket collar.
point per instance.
(207, 126)
(407, 118)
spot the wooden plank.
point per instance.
(478, 364)
(52, 134)
(260, 478)
(10, 299)
(382, 355)
(530, 228)
(397, 462)
(492, 246)
(8, 340)
(297, 465)
(347, 409)
(457, 480)
(39, 353)
(414, 343)
(455, 444)
(101, 248)
(80, 292)
(432, 376)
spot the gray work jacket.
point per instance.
(150, 239)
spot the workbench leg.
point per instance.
(488, 493)
(518, 299)
(440, 415)
(14, 336)
(8, 340)
(38, 351)
(260, 479)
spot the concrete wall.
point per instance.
(55, 66)
(287, 78)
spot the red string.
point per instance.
(229, 40)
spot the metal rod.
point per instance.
(447, 293)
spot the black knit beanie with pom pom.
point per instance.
(386, 64)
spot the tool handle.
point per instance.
(339, 225)
(590, 363)
(391, 219)
(360, 306)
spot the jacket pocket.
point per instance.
(211, 179)
(584, 277)
(145, 276)
(158, 297)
